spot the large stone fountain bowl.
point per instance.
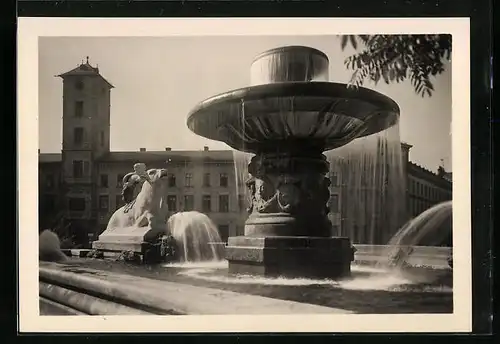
(323, 115)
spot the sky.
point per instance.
(158, 80)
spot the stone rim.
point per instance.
(218, 107)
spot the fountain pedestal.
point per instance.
(305, 257)
(288, 231)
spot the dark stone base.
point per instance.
(306, 257)
(144, 253)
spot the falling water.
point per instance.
(371, 187)
(241, 160)
(433, 227)
(196, 236)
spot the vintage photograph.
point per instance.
(245, 175)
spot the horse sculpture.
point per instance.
(146, 208)
(142, 219)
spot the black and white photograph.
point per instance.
(270, 173)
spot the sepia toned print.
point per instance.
(299, 175)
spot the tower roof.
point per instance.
(85, 69)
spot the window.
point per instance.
(206, 179)
(188, 181)
(79, 108)
(86, 168)
(49, 181)
(224, 232)
(104, 202)
(77, 168)
(76, 203)
(241, 202)
(119, 180)
(118, 201)
(334, 203)
(102, 138)
(223, 180)
(334, 179)
(104, 181)
(78, 136)
(223, 203)
(206, 203)
(172, 202)
(171, 180)
(79, 85)
(188, 202)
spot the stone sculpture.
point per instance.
(140, 223)
(144, 209)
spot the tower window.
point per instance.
(79, 108)
(78, 136)
(77, 168)
(102, 138)
(79, 84)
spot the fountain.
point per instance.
(195, 234)
(287, 117)
(290, 126)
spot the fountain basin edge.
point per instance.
(96, 292)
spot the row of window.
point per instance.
(172, 180)
(418, 206)
(426, 191)
(79, 204)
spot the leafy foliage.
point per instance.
(395, 58)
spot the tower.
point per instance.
(85, 138)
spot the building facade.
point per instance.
(81, 186)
